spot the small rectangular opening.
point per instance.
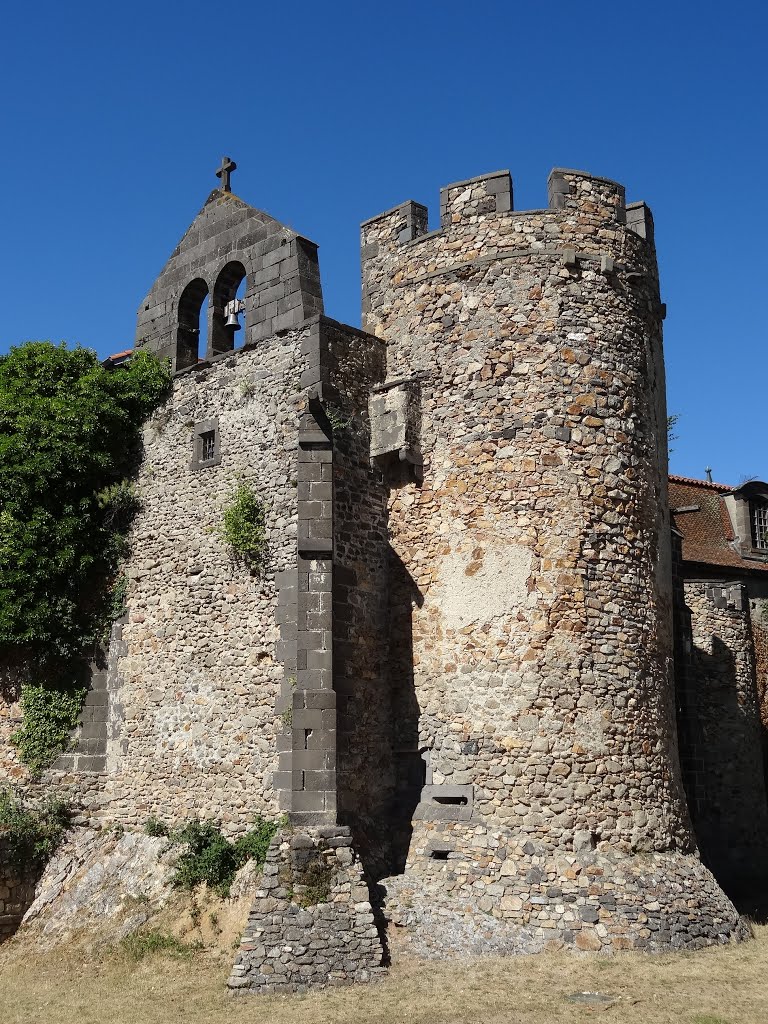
(307, 734)
(458, 800)
(439, 854)
(207, 445)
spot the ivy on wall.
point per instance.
(49, 716)
(70, 439)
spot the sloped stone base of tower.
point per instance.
(311, 924)
(485, 891)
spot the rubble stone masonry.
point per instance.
(537, 643)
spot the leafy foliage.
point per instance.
(143, 944)
(255, 843)
(49, 717)
(70, 433)
(336, 417)
(70, 436)
(156, 828)
(31, 836)
(212, 858)
(244, 527)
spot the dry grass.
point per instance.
(716, 986)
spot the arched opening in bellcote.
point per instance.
(192, 330)
(229, 309)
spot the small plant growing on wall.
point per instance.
(336, 418)
(245, 530)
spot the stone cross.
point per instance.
(227, 166)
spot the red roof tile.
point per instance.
(706, 529)
(700, 483)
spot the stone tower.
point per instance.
(534, 743)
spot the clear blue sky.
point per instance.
(114, 117)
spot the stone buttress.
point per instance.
(522, 433)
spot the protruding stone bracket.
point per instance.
(395, 414)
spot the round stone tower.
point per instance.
(531, 628)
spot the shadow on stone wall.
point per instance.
(17, 892)
(410, 767)
(721, 757)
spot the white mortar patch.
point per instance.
(481, 582)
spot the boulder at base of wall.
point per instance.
(100, 887)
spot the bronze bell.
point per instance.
(232, 321)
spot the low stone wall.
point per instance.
(312, 923)
(476, 890)
(17, 891)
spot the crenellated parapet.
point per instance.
(587, 225)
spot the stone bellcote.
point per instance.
(228, 242)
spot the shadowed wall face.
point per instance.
(721, 735)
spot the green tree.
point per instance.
(70, 436)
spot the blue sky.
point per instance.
(115, 117)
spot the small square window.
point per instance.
(208, 446)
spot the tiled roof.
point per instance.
(699, 483)
(706, 529)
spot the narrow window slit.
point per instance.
(307, 734)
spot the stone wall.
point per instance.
(360, 629)
(721, 734)
(473, 889)
(760, 643)
(195, 676)
(17, 891)
(312, 923)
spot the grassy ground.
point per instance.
(716, 986)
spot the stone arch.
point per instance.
(188, 327)
(225, 289)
